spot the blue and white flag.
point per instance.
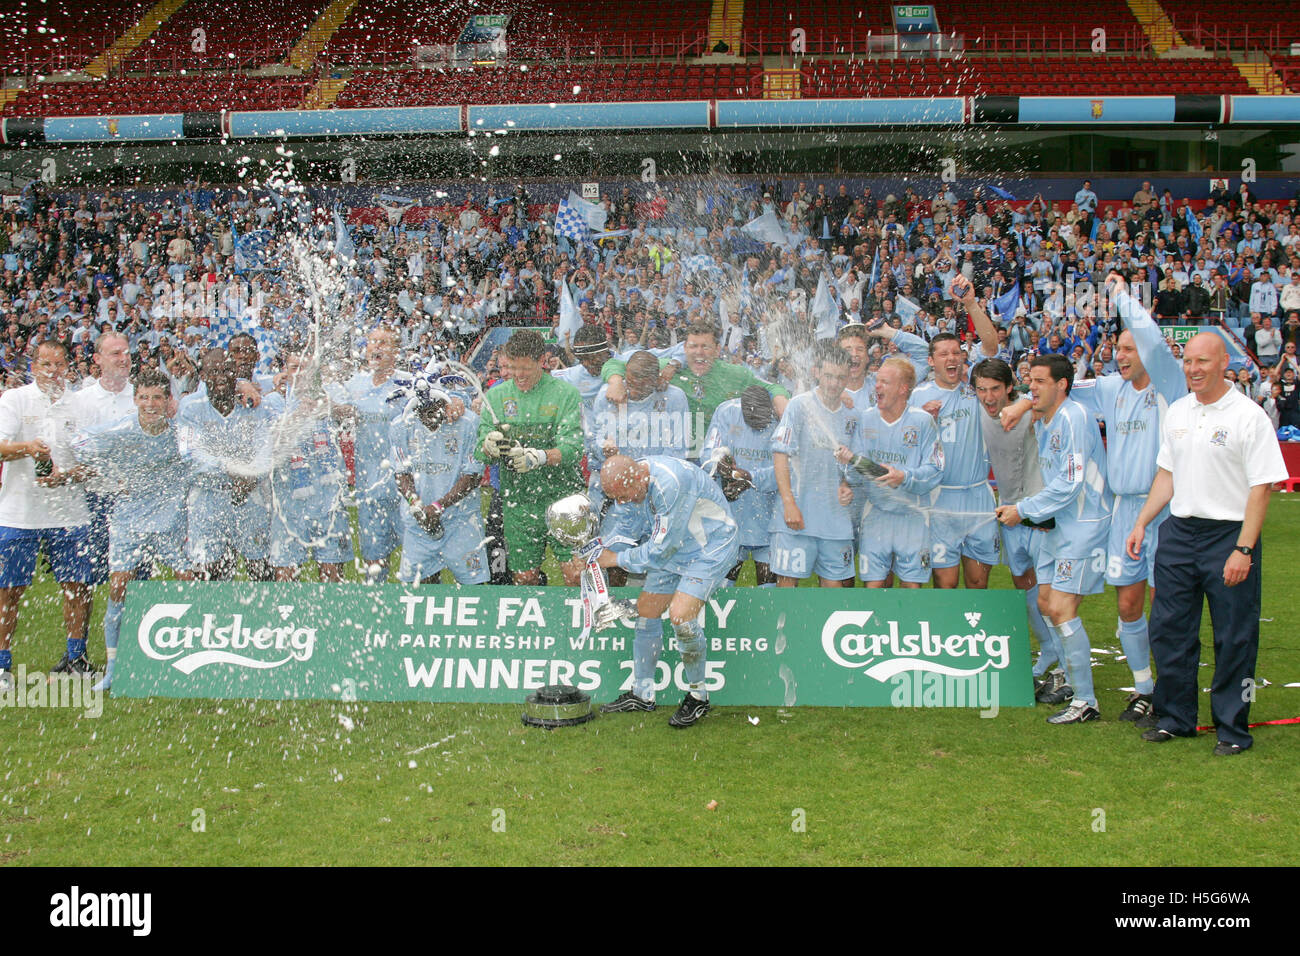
(570, 224)
(907, 309)
(344, 248)
(250, 249)
(746, 292)
(570, 320)
(766, 228)
(593, 214)
(692, 265)
(222, 328)
(1004, 306)
(1000, 192)
(825, 312)
(1194, 227)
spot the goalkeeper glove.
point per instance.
(496, 444)
(523, 460)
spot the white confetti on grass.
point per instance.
(436, 743)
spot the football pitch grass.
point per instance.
(215, 783)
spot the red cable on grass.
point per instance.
(1266, 723)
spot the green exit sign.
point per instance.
(915, 18)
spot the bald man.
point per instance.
(1218, 460)
(693, 543)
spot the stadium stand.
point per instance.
(842, 26)
(1011, 75)
(1223, 24)
(233, 35)
(583, 84)
(377, 32)
(61, 35)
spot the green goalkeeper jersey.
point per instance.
(548, 416)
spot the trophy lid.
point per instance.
(572, 521)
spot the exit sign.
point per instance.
(915, 18)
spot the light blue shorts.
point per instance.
(216, 525)
(1071, 575)
(700, 578)
(892, 541)
(460, 549)
(800, 555)
(962, 525)
(294, 541)
(1120, 568)
(128, 550)
(1020, 548)
(378, 524)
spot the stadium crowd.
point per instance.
(774, 339)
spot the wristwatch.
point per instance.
(1244, 550)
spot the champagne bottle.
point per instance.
(865, 466)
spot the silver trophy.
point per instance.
(573, 522)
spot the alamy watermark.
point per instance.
(35, 689)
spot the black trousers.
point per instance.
(1189, 570)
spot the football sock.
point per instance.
(1078, 659)
(647, 642)
(1137, 645)
(1039, 627)
(690, 641)
(1050, 651)
(112, 628)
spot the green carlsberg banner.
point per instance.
(824, 647)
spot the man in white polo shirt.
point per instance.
(1218, 460)
(107, 399)
(42, 504)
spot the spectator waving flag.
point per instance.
(570, 320)
(344, 248)
(1004, 306)
(692, 265)
(907, 309)
(394, 207)
(766, 228)
(593, 214)
(250, 249)
(570, 224)
(224, 327)
(825, 311)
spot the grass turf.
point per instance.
(317, 782)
